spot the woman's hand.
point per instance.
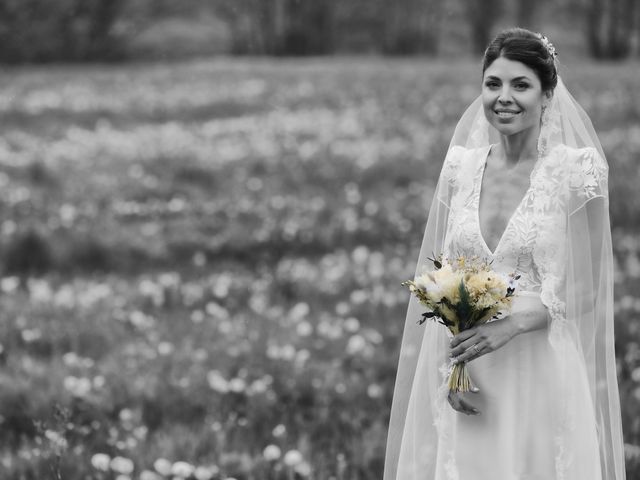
(472, 344)
(459, 403)
(527, 315)
(478, 341)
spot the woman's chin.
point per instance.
(507, 129)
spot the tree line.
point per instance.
(79, 30)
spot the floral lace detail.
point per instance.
(451, 469)
(587, 177)
(451, 167)
(441, 397)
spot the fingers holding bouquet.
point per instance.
(475, 342)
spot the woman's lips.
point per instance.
(506, 113)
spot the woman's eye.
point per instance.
(521, 86)
(492, 84)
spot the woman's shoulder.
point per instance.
(580, 158)
(458, 159)
(584, 169)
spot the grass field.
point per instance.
(202, 260)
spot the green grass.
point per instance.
(202, 259)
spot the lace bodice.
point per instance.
(530, 244)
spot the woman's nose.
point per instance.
(505, 96)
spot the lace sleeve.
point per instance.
(449, 174)
(586, 178)
(451, 165)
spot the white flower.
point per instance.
(100, 461)
(206, 473)
(165, 348)
(304, 329)
(121, 465)
(356, 344)
(149, 475)
(374, 390)
(299, 311)
(217, 382)
(425, 282)
(352, 324)
(56, 439)
(78, 387)
(272, 453)
(303, 469)
(126, 415)
(288, 352)
(123, 477)
(182, 469)
(279, 430)
(9, 284)
(292, 458)
(257, 386)
(237, 385)
(162, 466)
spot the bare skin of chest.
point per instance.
(500, 196)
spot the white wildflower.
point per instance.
(101, 461)
(272, 453)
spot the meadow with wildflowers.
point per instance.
(201, 261)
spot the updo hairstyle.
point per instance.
(525, 46)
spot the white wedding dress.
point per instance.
(514, 436)
(549, 398)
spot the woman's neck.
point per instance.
(520, 146)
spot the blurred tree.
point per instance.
(303, 27)
(292, 27)
(70, 30)
(525, 13)
(611, 26)
(482, 16)
(412, 26)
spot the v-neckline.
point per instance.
(483, 167)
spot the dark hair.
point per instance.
(525, 46)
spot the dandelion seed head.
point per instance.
(101, 461)
(182, 469)
(163, 466)
(271, 453)
(292, 458)
(122, 465)
(279, 431)
(149, 475)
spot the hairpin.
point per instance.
(548, 45)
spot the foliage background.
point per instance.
(201, 257)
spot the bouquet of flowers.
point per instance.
(462, 295)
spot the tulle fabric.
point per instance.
(573, 262)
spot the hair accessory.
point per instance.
(548, 45)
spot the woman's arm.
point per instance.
(478, 341)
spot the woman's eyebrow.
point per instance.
(521, 77)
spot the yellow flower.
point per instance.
(476, 284)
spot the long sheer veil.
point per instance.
(577, 290)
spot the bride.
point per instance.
(523, 185)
